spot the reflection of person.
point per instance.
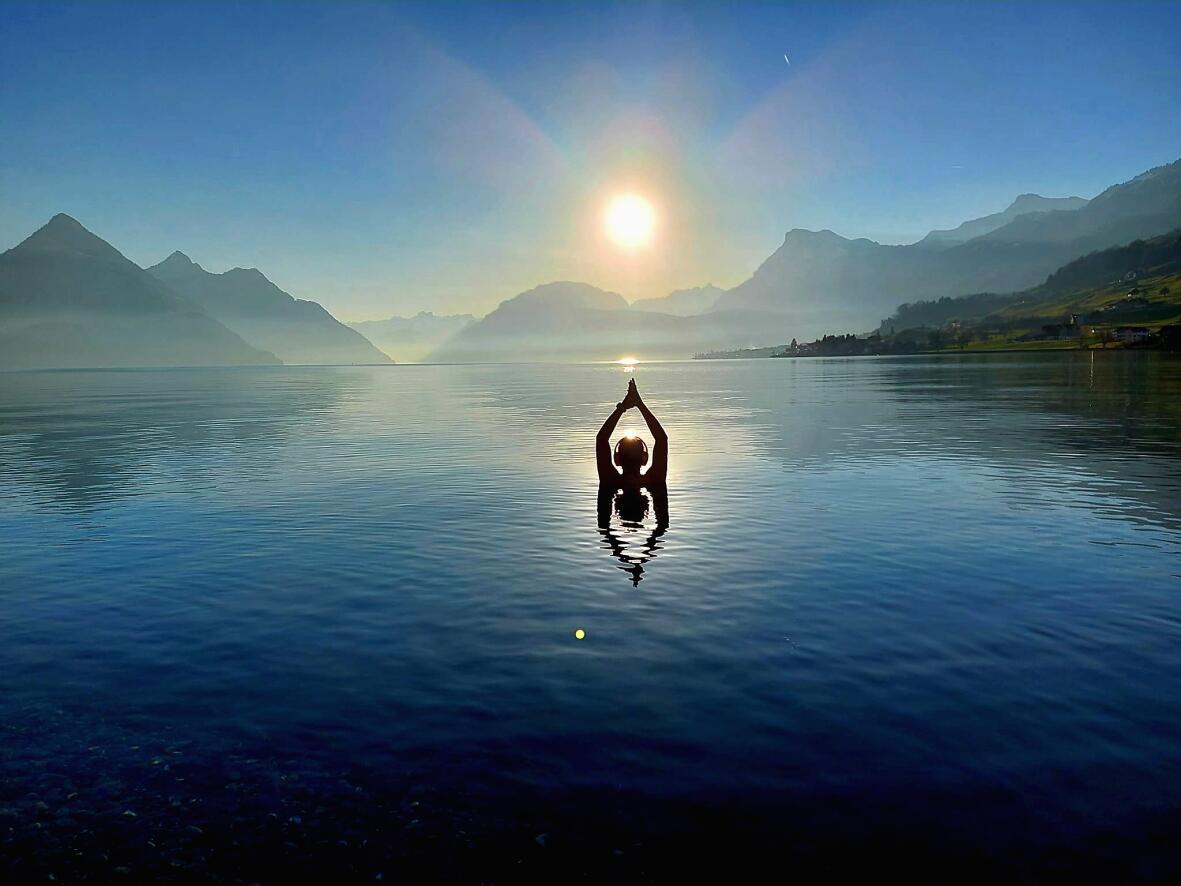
(631, 503)
(632, 508)
(631, 453)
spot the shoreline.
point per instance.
(941, 353)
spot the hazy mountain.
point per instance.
(681, 302)
(821, 281)
(1023, 205)
(70, 299)
(545, 323)
(412, 338)
(247, 302)
(576, 321)
(1148, 205)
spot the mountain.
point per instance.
(681, 302)
(1121, 264)
(556, 298)
(251, 305)
(1138, 283)
(1148, 205)
(544, 323)
(1105, 272)
(575, 321)
(412, 338)
(1023, 205)
(820, 281)
(70, 299)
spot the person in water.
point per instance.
(631, 453)
(622, 472)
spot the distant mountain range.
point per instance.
(70, 299)
(410, 339)
(821, 281)
(576, 321)
(248, 303)
(818, 282)
(681, 302)
(67, 298)
(1023, 205)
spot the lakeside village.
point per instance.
(1136, 320)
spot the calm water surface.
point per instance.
(925, 608)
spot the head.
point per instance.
(631, 454)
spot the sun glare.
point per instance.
(630, 221)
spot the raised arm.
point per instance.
(607, 471)
(659, 468)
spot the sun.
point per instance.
(630, 221)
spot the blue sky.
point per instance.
(385, 157)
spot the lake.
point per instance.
(912, 613)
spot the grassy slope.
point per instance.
(1031, 313)
(1165, 308)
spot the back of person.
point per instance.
(623, 468)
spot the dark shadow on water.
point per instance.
(631, 508)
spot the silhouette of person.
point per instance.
(631, 453)
(622, 490)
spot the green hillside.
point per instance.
(1162, 292)
(1082, 304)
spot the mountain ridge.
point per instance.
(68, 298)
(246, 301)
(820, 281)
(1023, 204)
(568, 320)
(681, 302)
(410, 339)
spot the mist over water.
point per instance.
(926, 604)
